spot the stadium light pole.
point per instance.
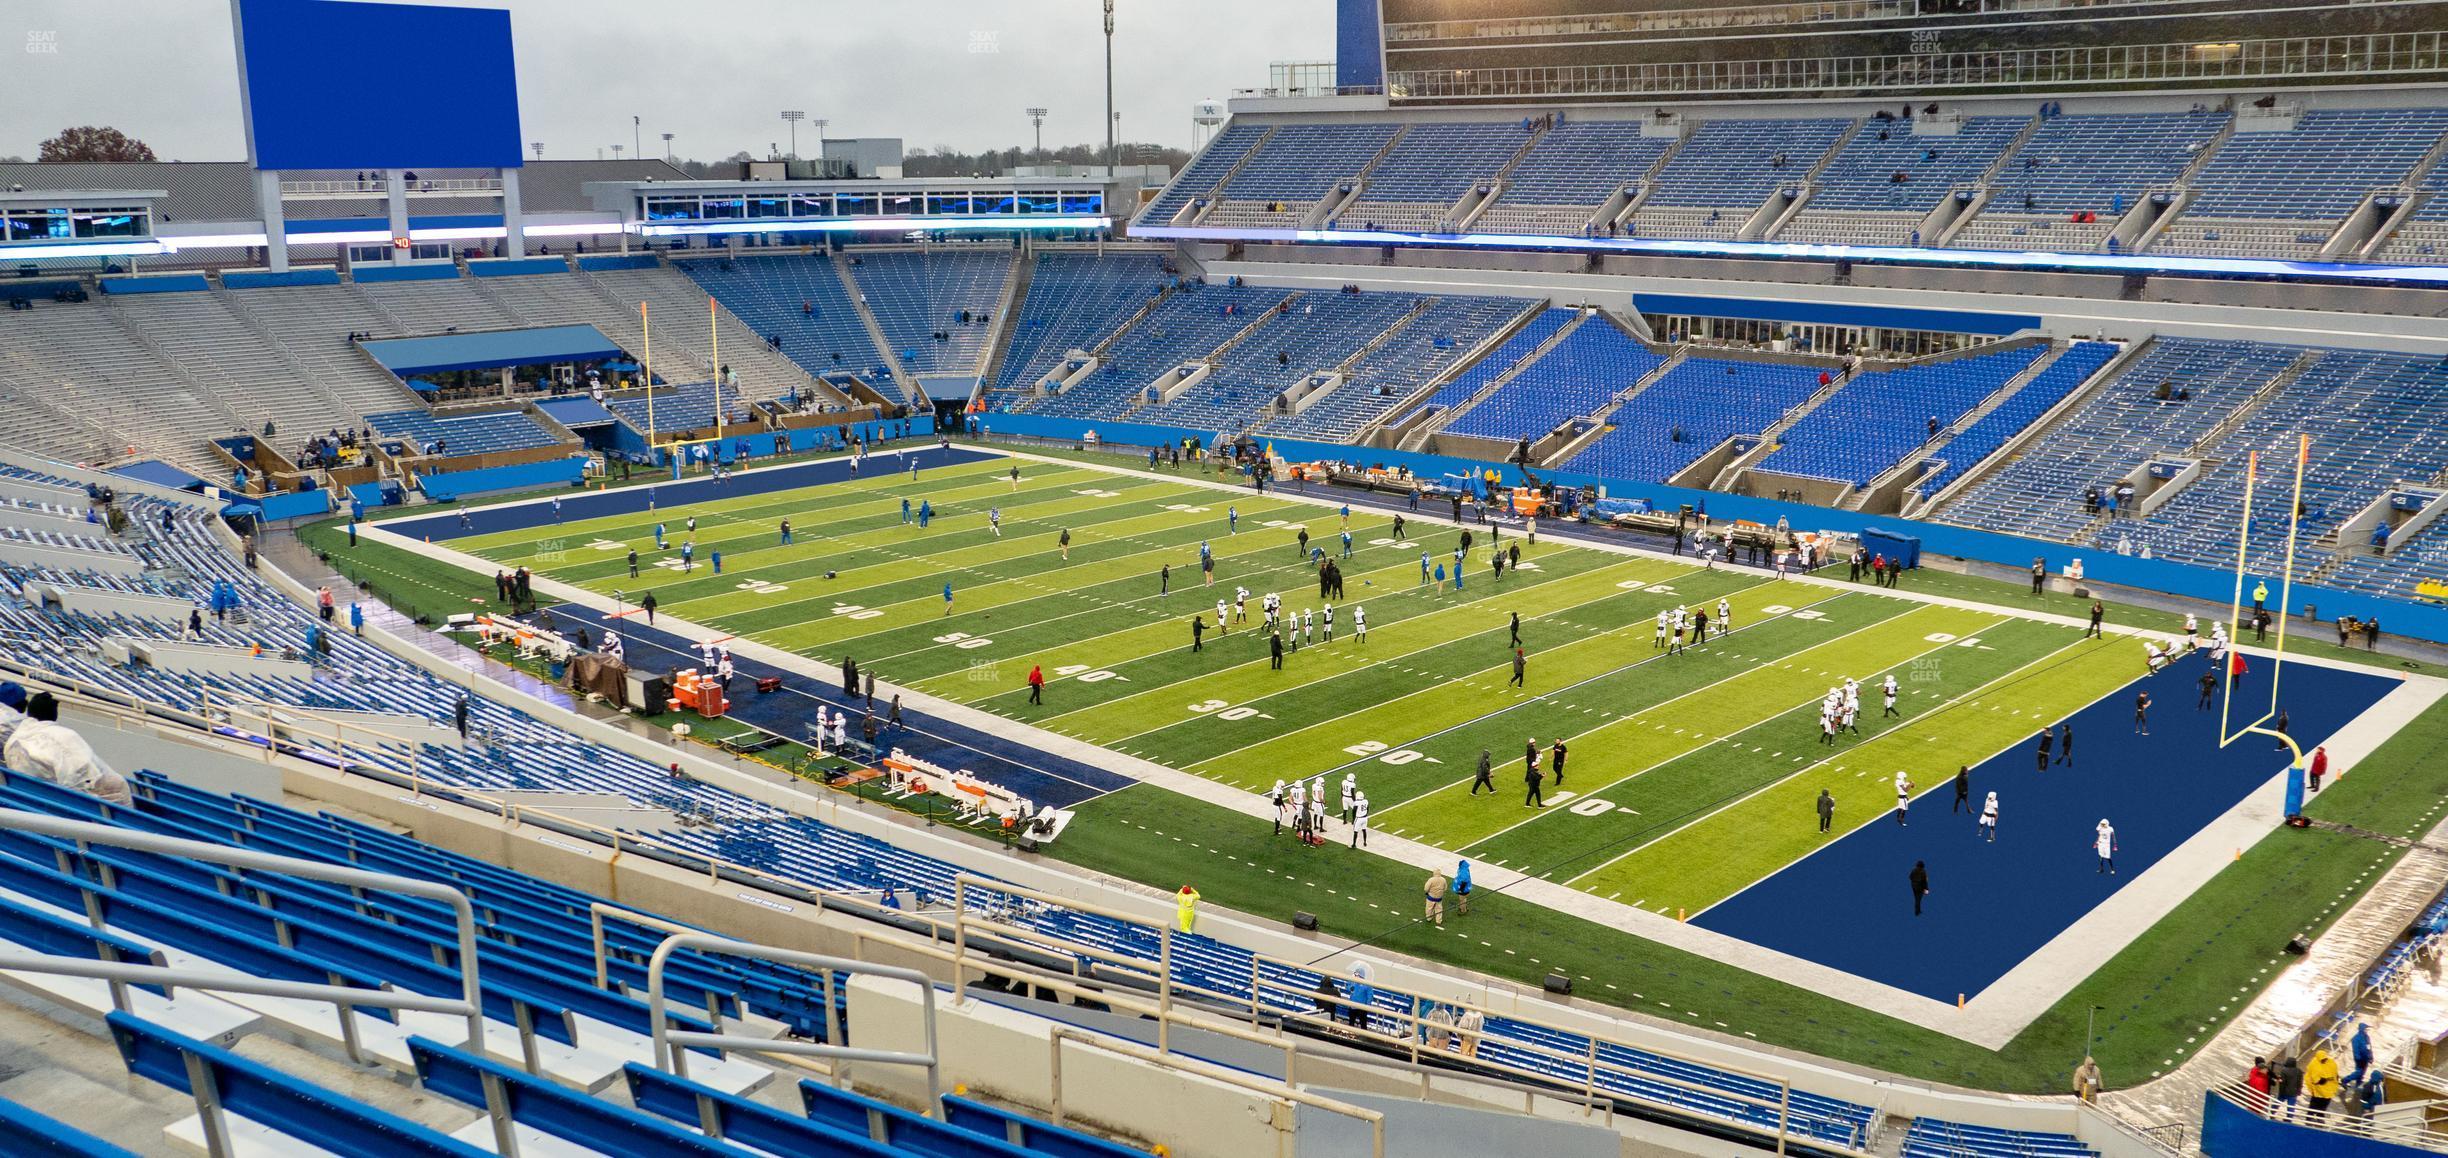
(794, 116)
(1109, 109)
(637, 137)
(539, 149)
(1037, 120)
(820, 124)
(667, 140)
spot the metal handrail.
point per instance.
(671, 1045)
(470, 1003)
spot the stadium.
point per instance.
(1539, 589)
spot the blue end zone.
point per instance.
(1848, 905)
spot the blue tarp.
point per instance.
(429, 271)
(171, 284)
(295, 504)
(518, 266)
(492, 349)
(576, 412)
(159, 474)
(442, 488)
(265, 279)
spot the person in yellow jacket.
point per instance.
(2321, 1080)
(1186, 909)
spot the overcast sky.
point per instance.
(714, 72)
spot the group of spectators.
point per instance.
(33, 741)
(2318, 1082)
(333, 448)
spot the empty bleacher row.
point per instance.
(2309, 176)
(1314, 332)
(1297, 165)
(2373, 420)
(2039, 179)
(1200, 177)
(1189, 323)
(1690, 409)
(679, 408)
(1427, 171)
(1569, 173)
(2040, 491)
(1972, 444)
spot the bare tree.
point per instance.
(94, 143)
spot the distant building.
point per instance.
(867, 156)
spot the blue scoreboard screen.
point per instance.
(440, 89)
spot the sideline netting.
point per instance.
(2229, 731)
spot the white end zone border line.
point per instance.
(1990, 1020)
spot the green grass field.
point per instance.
(1713, 750)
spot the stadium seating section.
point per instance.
(474, 434)
(918, 294)
(1074, 300)
(1572, 170)
(1689, 410)
(801, 300)
(1881, 416)
(1431, 342)
(2282, 186)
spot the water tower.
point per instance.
(1204, 117)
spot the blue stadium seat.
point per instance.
(1691, 409)
(1577, 377)
(1935, 1138)
(1873, 420)
(269, 1098)
(1074, 300)
(33, 1135)
(476, 434)
(916, 294)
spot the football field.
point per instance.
(1692, 775)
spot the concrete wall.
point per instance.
(1007, 1055)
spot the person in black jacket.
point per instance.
(1920, 884)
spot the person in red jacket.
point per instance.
(2319, 767)
(1036, 684)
